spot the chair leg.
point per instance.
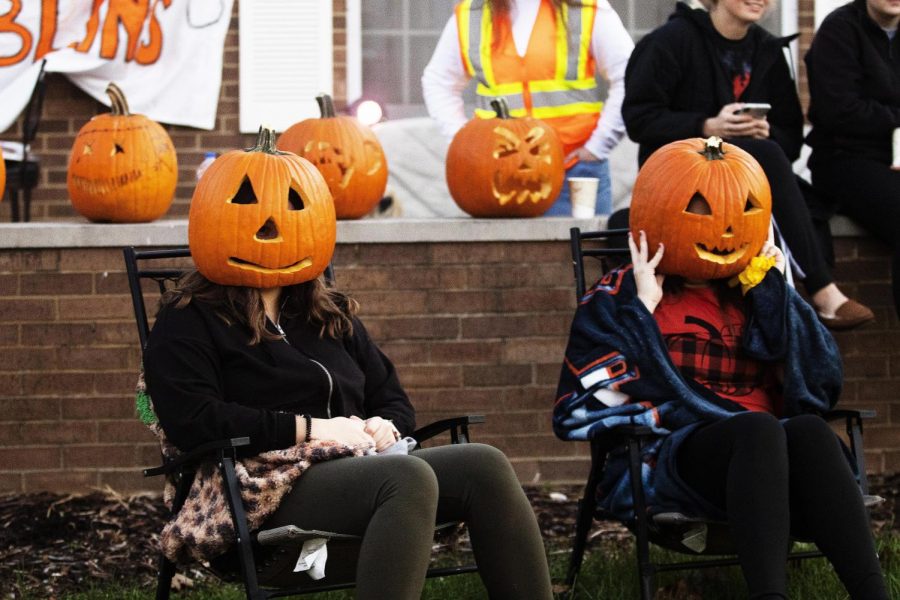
(646, 569)
(13, 204)
(164, 578)
(582, 526)
(26, 205)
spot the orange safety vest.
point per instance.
(553, 82)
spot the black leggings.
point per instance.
(790, 211)
(394, 503)
(868, 192)
(774, 479)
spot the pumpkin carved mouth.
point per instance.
(246, 264)
(520, 189)
(718, 255)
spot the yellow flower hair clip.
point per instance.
(753, 273)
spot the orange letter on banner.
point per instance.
(48, 29)
(148, 53)
(131, 13)
(92, 25)
(8, 25)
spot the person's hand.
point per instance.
(648, 281)
(727, 124)
(381, 430)
(582, 154)
(351, 432)
(770, 249)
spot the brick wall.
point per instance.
(67, 108)
(472, 327)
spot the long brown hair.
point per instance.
(323, 306)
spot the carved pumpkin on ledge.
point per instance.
(347, 154)
(504, 166)
(261, 218)
(123, 167)
(708, 202)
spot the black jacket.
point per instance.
(854, 86)
(674, 82)
(207, 383)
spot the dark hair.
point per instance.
(325, 307)
(725, 294)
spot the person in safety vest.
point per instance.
(544, 57)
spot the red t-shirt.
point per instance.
(703, 337)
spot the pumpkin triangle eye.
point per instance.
(245, 194)
(295, 201)
(698, 205)
(751, 204)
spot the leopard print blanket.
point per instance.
(203, 528)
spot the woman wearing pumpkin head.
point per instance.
(255, 344)
(691, 77)
(705, 343)
(544, 57)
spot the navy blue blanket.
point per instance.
(617, 371)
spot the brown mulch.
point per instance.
(51, 544)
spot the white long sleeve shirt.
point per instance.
(445, 77)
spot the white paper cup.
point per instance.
(896, 140)
(583, 194)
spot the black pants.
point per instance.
(790, 211)
(394, 503)
(775, 479)
(868, 192)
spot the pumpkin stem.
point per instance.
(265, 141)
(326, 105)
(117, 100)
(500, 107)
(712, 149)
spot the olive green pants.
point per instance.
(393, 502)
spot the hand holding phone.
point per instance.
(757, 110)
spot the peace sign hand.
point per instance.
(648, 281)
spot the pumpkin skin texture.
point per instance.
(123, 167)
(347, 154)
(708, 202)
(505, 167)
(261, 218)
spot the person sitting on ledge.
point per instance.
(691, 78)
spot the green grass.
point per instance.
(608, 573)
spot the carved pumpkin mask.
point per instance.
(708, 202)
(505, 167)
(261, 218)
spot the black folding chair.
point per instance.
(673, 531)
(165, 267)
(22, 175)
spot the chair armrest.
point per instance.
(196, 454)
(456, 426)
(834, 415)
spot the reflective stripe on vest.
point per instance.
(570, 90)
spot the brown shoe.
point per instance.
(850, 314)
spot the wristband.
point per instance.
(308, 420)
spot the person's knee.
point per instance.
(761, 431)
(809, 431)
(409, 477)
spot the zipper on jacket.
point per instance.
(284, 338)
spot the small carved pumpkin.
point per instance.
(347, 154)
(261, 218)
(123, 167)
(708, 202)
(505, 167)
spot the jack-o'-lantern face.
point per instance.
(261, 218)
(708, 202)
(505, 167)
(530, 176)
(346, 153)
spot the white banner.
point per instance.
(166, 55)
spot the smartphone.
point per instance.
(757, 110)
